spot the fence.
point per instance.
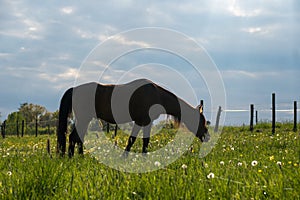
(49, 127)
(273, 115)
(287, 109)
(19, 128)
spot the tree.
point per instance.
(31, 112)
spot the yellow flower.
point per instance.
(259, 171)
(271, 157)
(290, 162)
(295, 164)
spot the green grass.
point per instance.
(28, 172)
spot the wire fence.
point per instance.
(286, 111)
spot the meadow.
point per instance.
(242, 165)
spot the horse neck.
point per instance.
(181, 110)
(189, 116)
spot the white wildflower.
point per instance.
(254, 163)
(211, 175)
(184, 166)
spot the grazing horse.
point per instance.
(140, 101)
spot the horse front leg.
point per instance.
(146, 138)
(132, 138)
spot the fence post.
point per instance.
(218, 119)
(116, 130)
(3, 129)
(36, 127)
(295, 116)
(22, 128)
(256, 117)
(48, 147)
(251, 116)
(273, 113)
(202, 104)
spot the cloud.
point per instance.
(43, 45)
(237, 10)
(67, 10)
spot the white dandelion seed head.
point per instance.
(184, 166)
(211, 175)
(254, 163)
(279, 163)
(222, 163)
(240, 164)
(9, 173)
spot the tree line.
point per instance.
(31, 114)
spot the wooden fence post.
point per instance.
(251, 116)
(36, 127)
(22, 133)
(295, 116)
(273, 113)
(3, 129)
(218, 119)
(48, 147)
(202, 104)
(116, 130)
(256, 117)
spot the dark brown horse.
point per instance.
(140, 101)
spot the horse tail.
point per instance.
(65, 110)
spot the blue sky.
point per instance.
(254, 44)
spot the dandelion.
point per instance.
(211, 175)
(240, 164)
(254, 163)
(271, 158)
(295, 164)
(259, 171)
(232, 148)
(157, 164)
(222, 163)
(279, 163)
(184, 166)
(9, 173)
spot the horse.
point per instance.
(140, 101)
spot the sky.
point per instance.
(255, 46)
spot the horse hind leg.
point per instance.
(74, 139)
(72, 142)
(135, 130)
(146, 138)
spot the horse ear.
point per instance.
(201, 109)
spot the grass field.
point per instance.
(243, 165)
